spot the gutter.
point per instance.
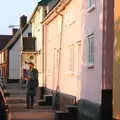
(52, 14)
(59, 62)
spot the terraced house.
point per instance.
(4, 39)
(37, 33)
(20, 48)
(72, 44)
(78, 52)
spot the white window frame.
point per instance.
(70, 16)
(79, 58)
(91, 50)
(71, 59)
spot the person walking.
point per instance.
(31, 85)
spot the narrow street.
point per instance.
(17, 105)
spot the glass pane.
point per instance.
(90, 49)
(89, 3)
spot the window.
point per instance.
(70, 16)
(91, 49)
(2, 57)
(79, 56)
(91, 5)
(29, 34)
(44, 12)
(71, 58)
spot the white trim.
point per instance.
(71, 73)
(90, 65)
(71, 58)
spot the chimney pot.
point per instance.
(23, 21)
(14, 30)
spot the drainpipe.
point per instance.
(44, 57)
(107, 60)
(57, 96)
(43, 89)
(53, 77)
(59, 52)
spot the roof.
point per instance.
(15, 38)
(55, 11)
(41, 3)
(44, 2)
(36, 8)
(4, 39)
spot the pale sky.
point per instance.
(11, 10)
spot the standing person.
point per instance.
(32, 85)
(25, 74)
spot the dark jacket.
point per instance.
(33, 81)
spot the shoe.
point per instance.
(27, 107)
(31, 107)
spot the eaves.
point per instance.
(15, 38)
(54, 12)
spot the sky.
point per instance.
(11, 10)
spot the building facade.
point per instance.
(76, 64)
(73, 50)
(37, 33)
(4, 39)
(21, 49)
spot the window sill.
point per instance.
(71, 73)
(90, 66)
(90, 9)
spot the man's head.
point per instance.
(31, 65)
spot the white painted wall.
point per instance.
(15, 61)
(37, 32)
(28, 29)
(15, 57)
(93, 77)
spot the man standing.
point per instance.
(32, 85)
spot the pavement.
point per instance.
(17, 106)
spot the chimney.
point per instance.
(23, 21)
(14, 30)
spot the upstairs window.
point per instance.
(51, 5)
(91, 5)
(30, 34)
(71, 58)
(91, 49)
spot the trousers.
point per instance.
(30, 100)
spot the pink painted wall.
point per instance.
(77, 24)
(93, 77)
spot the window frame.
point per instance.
(71, 58)
(91, 50)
